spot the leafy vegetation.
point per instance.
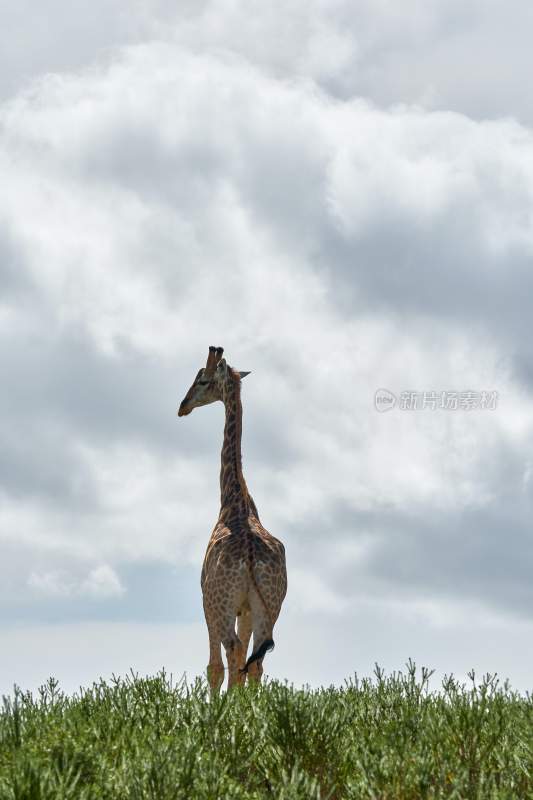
(385, 738)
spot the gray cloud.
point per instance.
(458, 56)
(13, 278)
(454, 56)
(59, 36)
(62, 391)
(477, 552)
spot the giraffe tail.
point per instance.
(266, 647)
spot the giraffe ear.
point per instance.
(244, 374)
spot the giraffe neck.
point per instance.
(234, 495)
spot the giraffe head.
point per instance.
(209, 382)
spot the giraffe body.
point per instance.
(244, 578)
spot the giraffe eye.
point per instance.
(203, 383)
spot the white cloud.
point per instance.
(309, 594)
(101, 582)
(55, 584)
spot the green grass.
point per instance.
(381, 738)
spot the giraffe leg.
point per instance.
(215, 668)
(221, 612)
(231, 642)
(235, 656)
(262, 630)
(255, 671)
(244, 631)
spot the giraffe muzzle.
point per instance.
(183, 410)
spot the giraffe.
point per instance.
(244, 576)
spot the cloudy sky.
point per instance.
(339, 193)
